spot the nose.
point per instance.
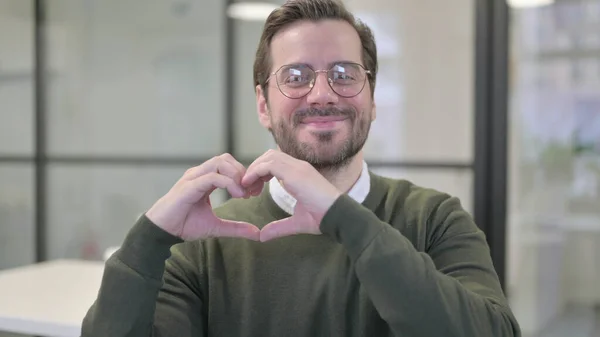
(321, 93)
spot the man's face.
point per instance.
(323, 128)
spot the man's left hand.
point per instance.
(313, 193)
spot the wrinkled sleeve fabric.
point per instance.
(451, 289)
(149, 288)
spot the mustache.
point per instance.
(300, 115)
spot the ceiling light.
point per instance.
(250, 11)
(529, 3)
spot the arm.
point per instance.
(452, 290)
(142, 295)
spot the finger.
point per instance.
(218, 165)
(204, 168)
(263, 171)
(279, 163)
(280, 228)
(230, 159)
(195, 189)
(270, 155)
(253, 190)
(276, 155)
(236, 229)
(256, 188)
(230, 170)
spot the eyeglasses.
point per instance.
(297, 80)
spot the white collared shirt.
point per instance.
(286, 202)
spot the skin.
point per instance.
(316, 161)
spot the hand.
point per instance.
(185, 211)
(314, 194)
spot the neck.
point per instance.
(344, 178)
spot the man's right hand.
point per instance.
(185, 211)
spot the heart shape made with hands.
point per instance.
(185, 211)
(313, 193)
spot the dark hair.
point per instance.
(311, 10)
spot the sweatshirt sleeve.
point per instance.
(450, 290)
(147, 289)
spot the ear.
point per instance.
(262, 108)
(373, 112)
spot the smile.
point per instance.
(323, 122)
(323, 119)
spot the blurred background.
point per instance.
(104, 105)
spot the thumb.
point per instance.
(284, 227)
(236, 229)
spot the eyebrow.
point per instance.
(340, 61)
(329, 65)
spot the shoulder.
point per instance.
(420, 211)
(413, 199)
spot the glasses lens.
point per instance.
(295, 80)
(347, 79)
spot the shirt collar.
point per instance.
(287, 202)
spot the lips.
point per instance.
(324, 116)
(323, 119)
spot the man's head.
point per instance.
(314, 76)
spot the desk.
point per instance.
(48, 299)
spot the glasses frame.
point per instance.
(329, 81)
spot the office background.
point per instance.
(104, 104)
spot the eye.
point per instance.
(295, 76)
(345, 74)
(295, 79)
(342, 76)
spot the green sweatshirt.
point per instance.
(407, 262)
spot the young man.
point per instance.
(312, 243)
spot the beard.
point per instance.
(324, 155)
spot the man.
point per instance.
(312, 243)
